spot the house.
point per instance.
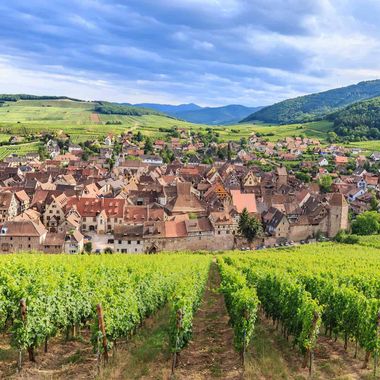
(98, 214)
(22, 235)
(340, 160)
(108, 140)
(224, 222)
(244, 200)
(151, 159)
(129, 239)
(276, 224)
(375, 156)
(355, 193)
(323, 162)
(23, 199)
(74, 242)
(9, 206)
(54, 212)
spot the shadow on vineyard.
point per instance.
(146, 356)
(271, 356)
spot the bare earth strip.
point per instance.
(95, 118)
(211, 352)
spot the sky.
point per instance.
(210, 52)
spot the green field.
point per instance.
(367, 146)
(78, 120)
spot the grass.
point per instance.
(370, 241)
(369, 146)
(144, 352)
(74, 118)
(20, 149)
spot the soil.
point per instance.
(210, 353)
(95, 118)
(73, 359)
(271, 356)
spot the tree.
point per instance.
(148, 147)
(367, 223)
(43, 153)
(108, 250)
(325, 183)
(374, 202)
(249, 226)
(139, 137)
(332, 137)
(88, 247)
(304, 177)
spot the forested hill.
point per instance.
(119, 109)
(315, 106)
(16, 97)
(358, 121)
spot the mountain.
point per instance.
(170, 109)
(203, 115)
(358, 121)
(315, 106)
(217, 115)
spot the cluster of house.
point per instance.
(141, 205)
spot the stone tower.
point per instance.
(338, 214)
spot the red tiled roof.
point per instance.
(89, 207)
(242, 200)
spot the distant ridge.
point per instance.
(170, 109)
(194, 113)
(315, 106)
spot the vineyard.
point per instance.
(308, 298)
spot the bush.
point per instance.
(367, 223)
(343, 237)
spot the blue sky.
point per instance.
(211, 52)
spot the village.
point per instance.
(134, 194)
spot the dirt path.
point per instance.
(210, 353)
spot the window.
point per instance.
(129, 242)
(119, 241)
(138, 241)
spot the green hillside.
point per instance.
(82, 121)
(315, 106)
(358, 121)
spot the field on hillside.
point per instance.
(79, 121)
(369, 146)
(287, 308)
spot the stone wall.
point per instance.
(192, 243)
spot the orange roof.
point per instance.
(175, 229)
(341, 159)
(88, 207)
(244, 200)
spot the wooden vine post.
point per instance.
(376, 357)
(179, 317)
(24, 314)
(102, 329)
(309, 356)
